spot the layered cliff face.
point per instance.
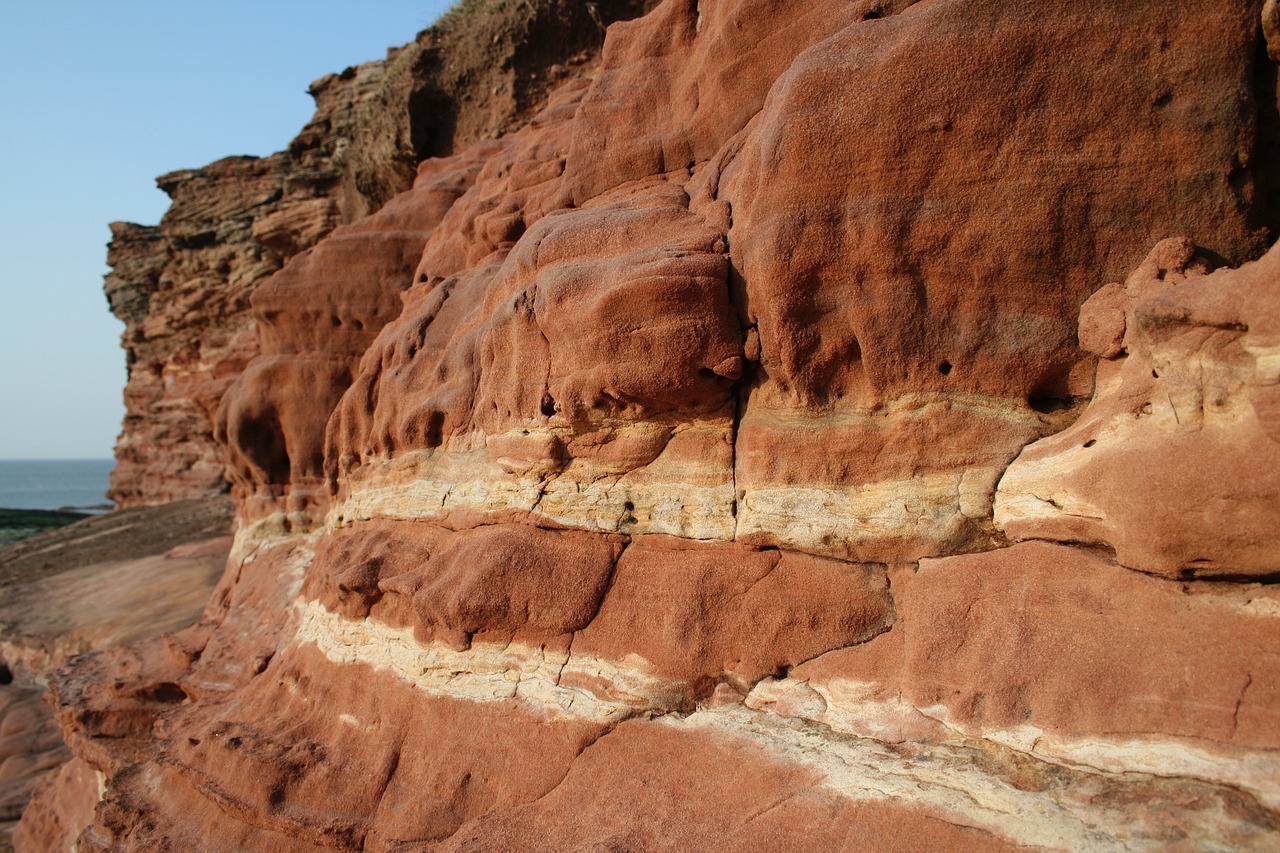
(824, 428)
(182, 288)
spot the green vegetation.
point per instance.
(18, 524)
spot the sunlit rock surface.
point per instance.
(752, 450)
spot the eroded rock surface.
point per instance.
(110, 579)
(183, 287)
(748, 450)
(1175, 463)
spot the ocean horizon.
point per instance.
(55, 484)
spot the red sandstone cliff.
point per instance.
(182, 288)
(833, 428)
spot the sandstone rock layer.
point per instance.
(749, 451)
(183, 287)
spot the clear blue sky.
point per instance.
(100, 98)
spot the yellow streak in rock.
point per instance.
(485, 672)
(681, 497)
(849, 749)
(690, 499)
(946, 781)
(933, 506)
(858, 709)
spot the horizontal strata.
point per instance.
(931, 506)
(647, 478)
(492, 672)
(854, 708)
(816, 520)
(973, 781)
(683, 490)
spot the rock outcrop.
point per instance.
(92, 585)
(182, 288)
(749, 450)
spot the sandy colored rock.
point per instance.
(1060, 652)
(1175, 463)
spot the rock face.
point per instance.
(107, 579)
(749, 450)
(1184, 424)
(182, 288)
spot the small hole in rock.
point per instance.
(166, 692)
(1155, 375)
(335, 320)
(1091, 442)
(433, 434)
(871, 16)
(1045, 404)
(944, 368)
(628, 506)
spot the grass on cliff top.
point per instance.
(462, 10)
(461, 13)
(18, 524)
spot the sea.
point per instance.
(78, 484)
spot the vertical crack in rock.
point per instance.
(1235, 714)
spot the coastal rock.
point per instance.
(315, 318)
(30, 747)
(61, 807)
(183, 288)
(920, 384)
(644, 478)
(108, 579)
(1175, 463)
